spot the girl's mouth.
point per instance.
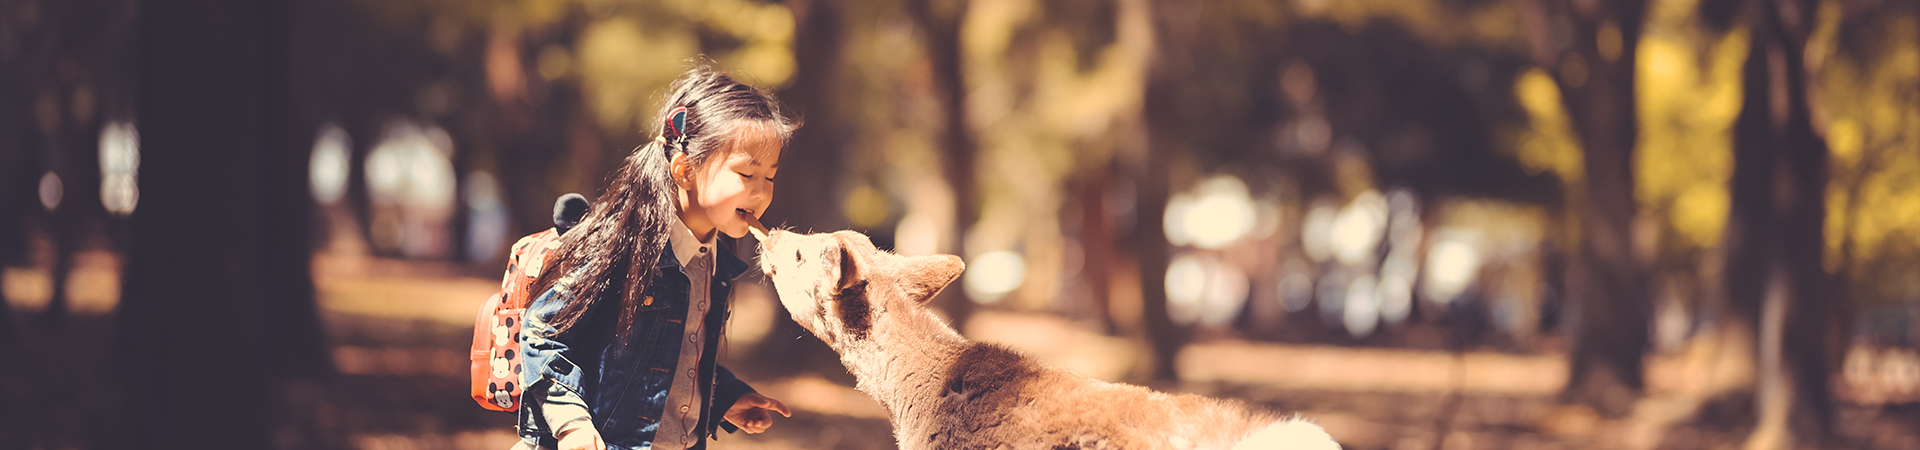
(753, 224)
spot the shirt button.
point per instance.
(689, 373)
(703, 249)
(684, 408)
(723, 284)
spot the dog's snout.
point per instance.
(766, 241)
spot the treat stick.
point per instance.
(753, 226)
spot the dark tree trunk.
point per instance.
(14, 173)
(78, 165)
(1606, 283)
(1154, 252)
(1775, 237)
(1174, 27)
(217, 303)
(1097, 244)
(941, 20)
(812, 162)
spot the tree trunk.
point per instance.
(813, 160)
(15, 189)
(1607, 284)
(942, 20)
(1775, 234)
(78, 165)
(217, 304)
(1173, 23)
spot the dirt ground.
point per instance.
(399, 331)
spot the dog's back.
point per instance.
(945, 392)
(993, 396)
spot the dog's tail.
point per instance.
(1290, 434)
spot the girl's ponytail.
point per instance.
(615, 249)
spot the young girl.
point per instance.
(619, 349)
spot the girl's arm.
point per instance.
(564, 410)
(728, 389)
(544, 365)
(566, 414)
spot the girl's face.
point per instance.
(735, 181)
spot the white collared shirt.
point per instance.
(679, 424)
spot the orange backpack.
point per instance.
(495, 368)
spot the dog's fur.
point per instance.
(942, 391)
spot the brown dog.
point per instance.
(942, 391)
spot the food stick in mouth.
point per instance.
(753, 226)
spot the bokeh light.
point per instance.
(119, 167)
(1356, 232)
(327, 169)
(1296, 291)
(51, 190)
(486, 217)
(1218, 212)
(1362, 310)
(1316, 230)
(1202, 290)
(991, 276)
(1452, 265)
(410, 179)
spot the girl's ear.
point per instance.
(678, 169)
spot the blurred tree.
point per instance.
(942, 22)
(1774, 238)
(1590, 47)
(815, 158)
(1207, 92)
(70, 57)
(1862, 56)
(217, 307)
(15, 175)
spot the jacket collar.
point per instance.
(683, 244)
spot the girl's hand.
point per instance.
(582, 438)
(752, 412)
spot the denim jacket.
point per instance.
(626, 393)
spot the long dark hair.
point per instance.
(617, 245)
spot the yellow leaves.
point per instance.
(1843, 139)
(1539, 96)
(624, 63)
(1869, 100)
(621, 68)
(988, 28)
(1549, 146)
(865, 207)
(1888, 204)
(766, 59)
(1700, 213)
(1687, 105)
(1839, 209)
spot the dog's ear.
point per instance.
(854, 263)
(926, 276)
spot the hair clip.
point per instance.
(676, 131)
